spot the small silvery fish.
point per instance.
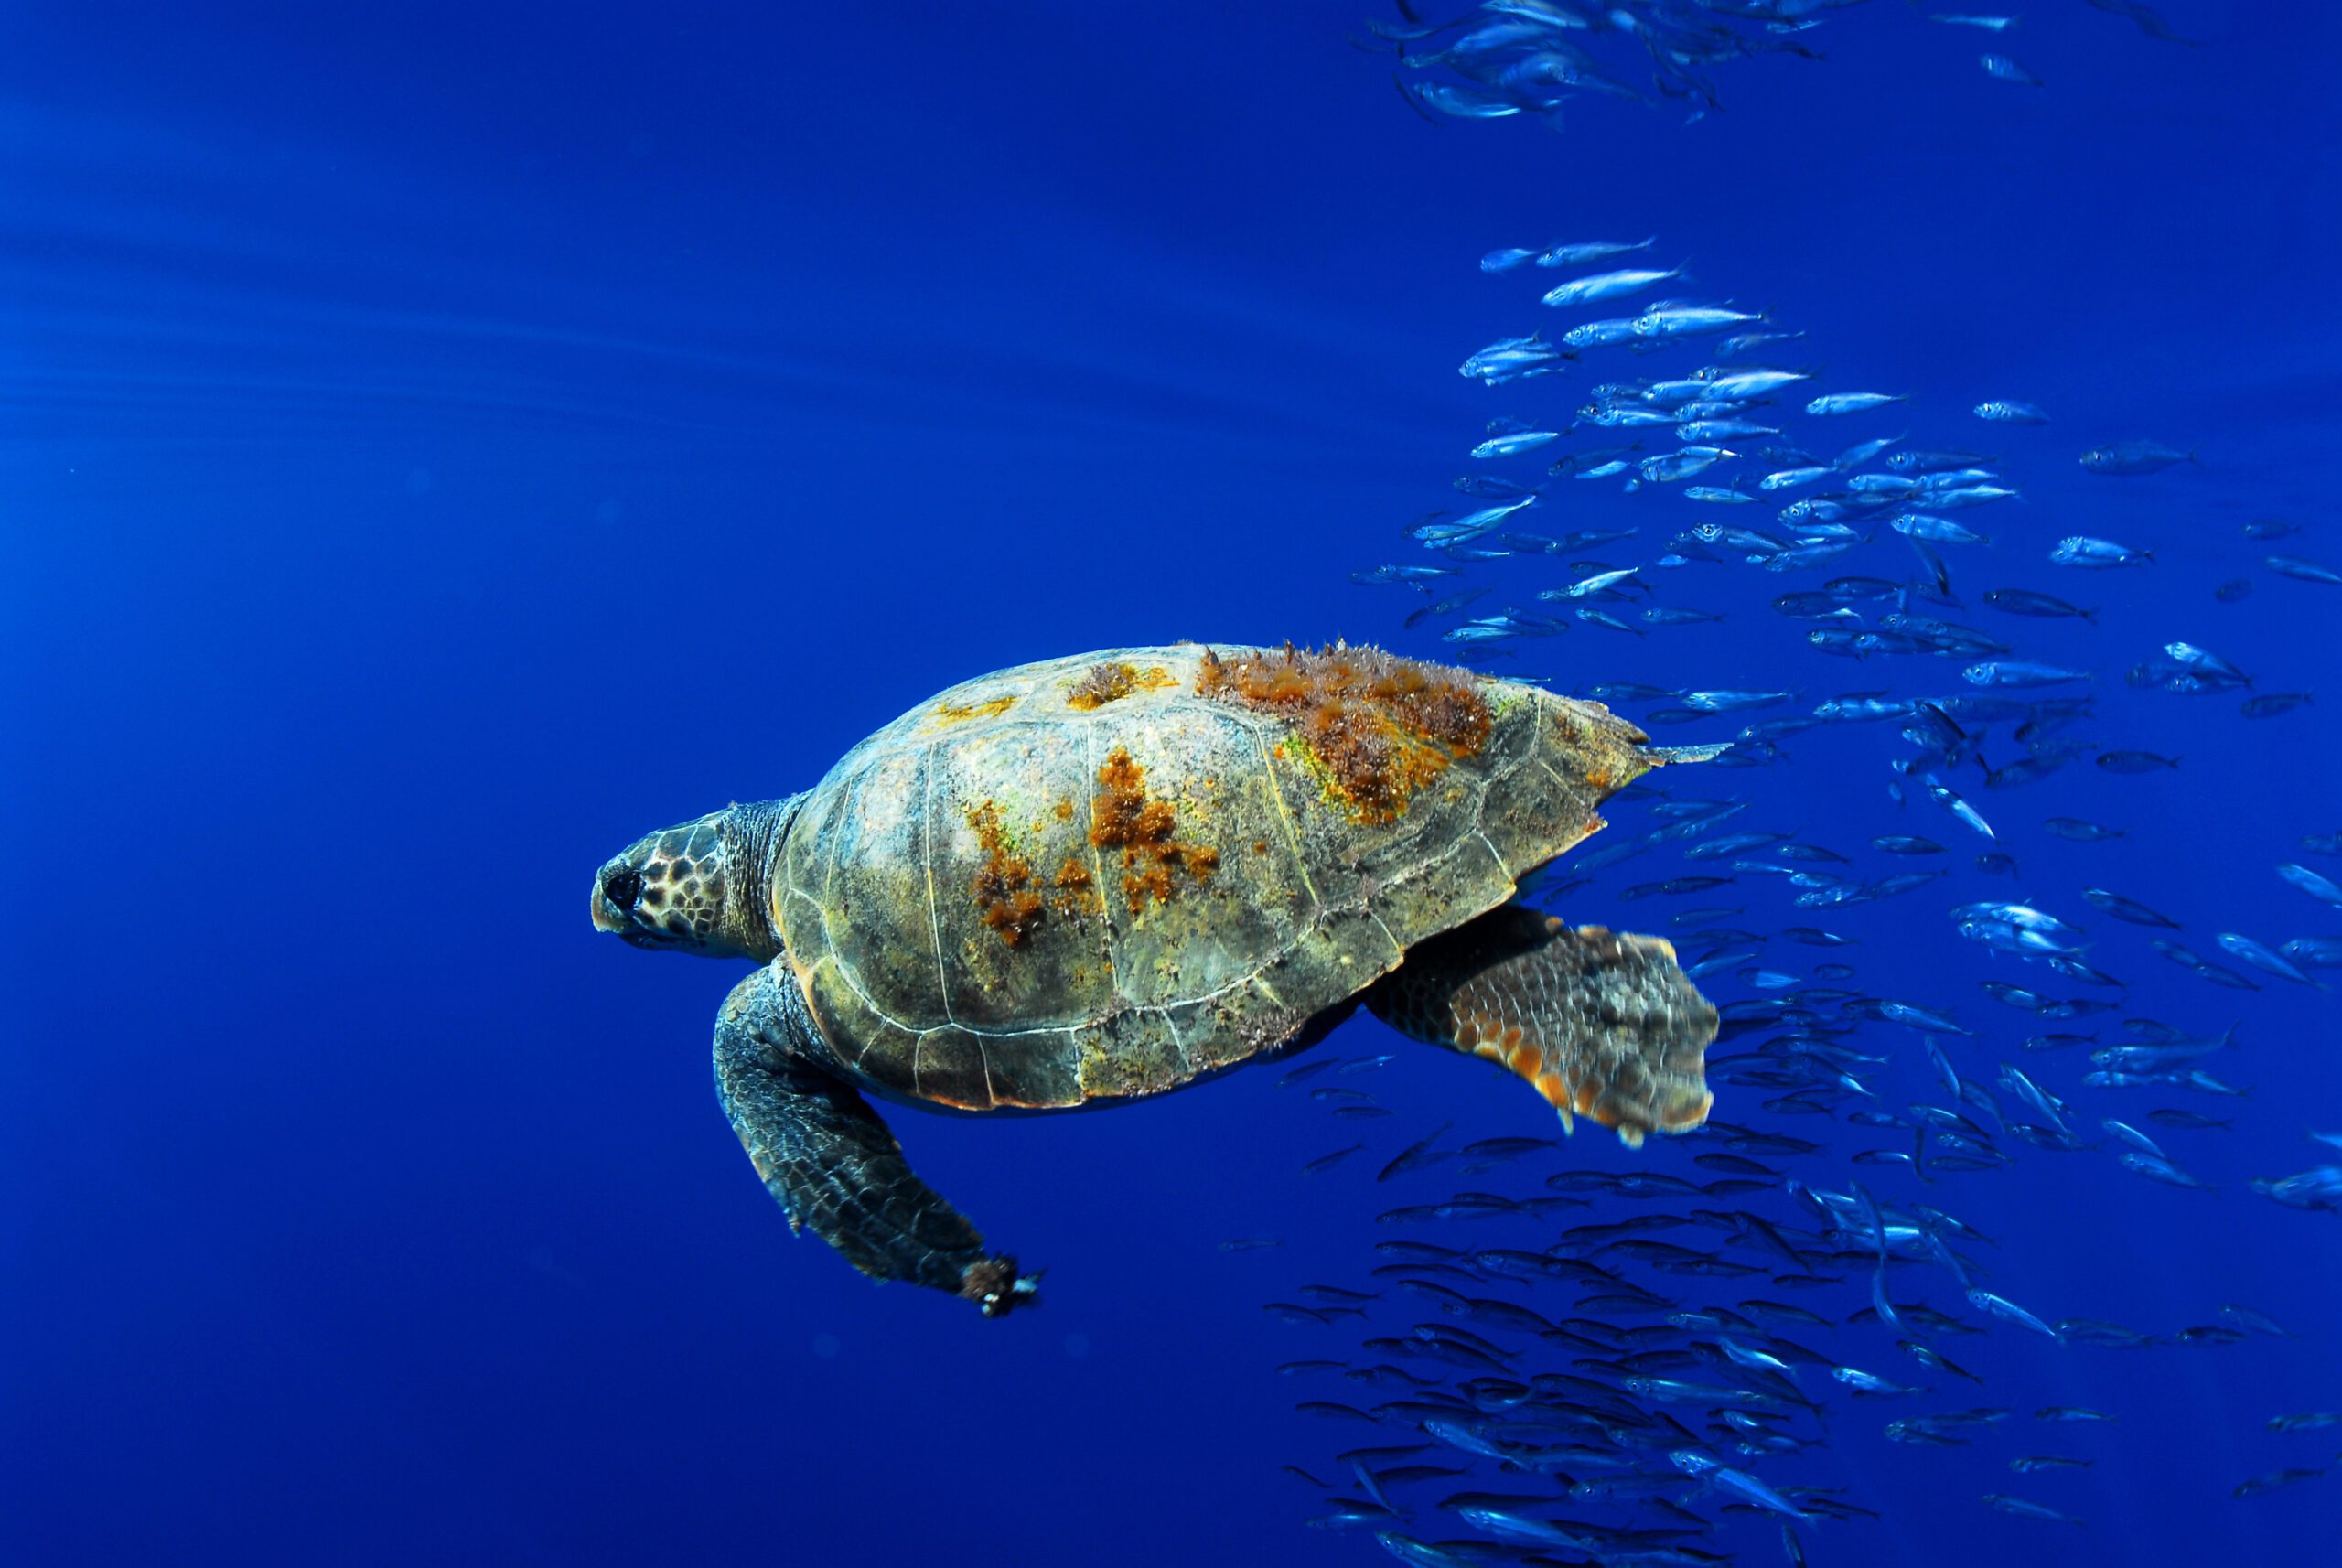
(1893, 486)
(1505, 260)
(2019, 673)
(2024, 1509)
(1682, 464)
(2079, 550)
(2024, 602)
(1445, 607)
(1472, 526)
(1606, 285)
(1862, 452)
(1935, 530)
(2154, 1167)
(1969, 495)
(2134, 458)
(2004, 411)
(2316, 952)
(1489, 487)
(2272, 1480)
(1722, 429)
(1458, 102)
(2319, 888)
(1411, 575)
(1737, 384)
(1590, 250)
(2129, 909)
(1515, 441)
(2001, 68)
(1935, 462)
(1599, 582)
(1744, 342)
(1508, 358)
(1851, 402)
(2301, 571)
(2317, 1189)
(2001, 1307)
(2308, 1422)
(1599, 334)
(1689, 321)
(2238, 945)
(2135, 761)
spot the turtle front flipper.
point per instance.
(832, 1163)
(1603, 1024)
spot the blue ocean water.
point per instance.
(443, 443)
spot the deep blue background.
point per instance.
(442, 443)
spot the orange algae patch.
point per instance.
(950, 715)
(1122, 817)
(1002, 886)
(1077, 888)
(1378, 727)
(1113, 681)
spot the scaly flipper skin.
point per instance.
(1604, 1025)
(832, 1163)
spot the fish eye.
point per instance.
(623, 886)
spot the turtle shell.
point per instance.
(1104, 875)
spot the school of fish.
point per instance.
(1550, 1363)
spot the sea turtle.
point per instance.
(1092, 878)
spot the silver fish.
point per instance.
(1853, 402)
(1606, 285)
(2079, 550)
(2310, 883)
(2007, 70)
(1590, 250)
(1513, 443)
(2301, 571)
(2020, 672)
(1689, 321)
(2121, 457)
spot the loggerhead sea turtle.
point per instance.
(1092, 878)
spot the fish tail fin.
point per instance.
(2090, 614)
(2193, 458)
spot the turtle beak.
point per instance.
(605, 918)
(616, 888)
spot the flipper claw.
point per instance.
(996, 1287)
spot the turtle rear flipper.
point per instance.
(832, 1163)
(1603, 1024)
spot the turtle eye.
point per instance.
(622, 887)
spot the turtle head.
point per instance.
(698, 887)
